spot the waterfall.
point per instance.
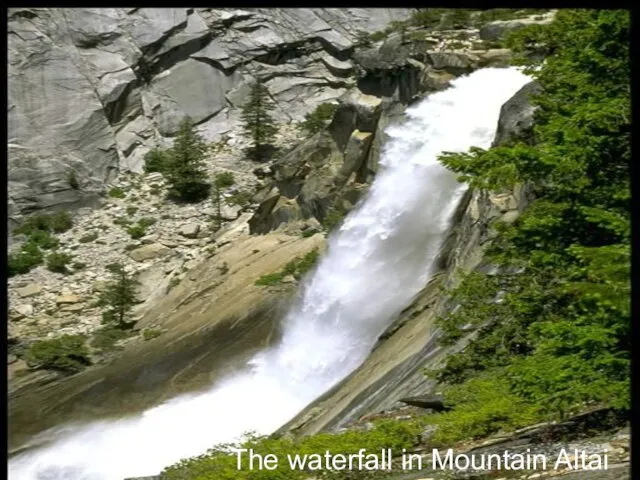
(375, 265)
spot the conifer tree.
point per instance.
(185, 165)
(258, 125)
(119, 299)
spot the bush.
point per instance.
(67, 353)
(57, 262)
(72, 180)
(57, 222)
(224, 180)
(79, 265)
(137, 231)
(43, 239)
(146, 221)
(89, 237)
(117, 192)
(296, 267)
(318, 119)
(131, 210)
(28, 258)
(240, 198)
(151, 333)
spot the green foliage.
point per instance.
(72, 180)
(150, 333)
(29, 257)
(119, 299)
(58, 222)
(89, 237)
(257, 123)
(220, 462)
(57, 262)
(105, 338)
(240, 198)
(67, 353)
(79, 265)
(155, 161)
(122, 221)
(137, 231)
(296, 268)
(185, 165)
(224, 180)
(334, 217)
(43, 239)
(147, 221)
(553, 325)
(117, 192)
(131, 210)
(319, 118)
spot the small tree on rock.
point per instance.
(258, 125)
(222, 181)
(184, 165)
(119, 299)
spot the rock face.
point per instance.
(498, 29)
(92, 89)
(516, 116)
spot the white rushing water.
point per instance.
(375, 265)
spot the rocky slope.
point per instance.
(91, 90)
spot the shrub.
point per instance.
(131, 210)
(57, 262)
(151, 333)
(146, 221)
(318, 119)
(67, 353)
(122, 221)
(117, 192)
(43, 239)
(57, 222)
(224, 180)
(72, 180)
(296, 267)
(240, 198)
(89, 237)
(79, 265)
(137, 231)
(28, 258)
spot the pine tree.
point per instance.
(258, 125)
(185, 165)
(119, 299)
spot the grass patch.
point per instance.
(117, 192)
(296, 267)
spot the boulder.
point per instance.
(189, 230)
(516, 115)
(455, 63)
(435, 403)
(148, 252)
(356, 111)
(29, 290)
(66, 299)
(25, 310)
(355, 154)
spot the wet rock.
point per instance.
(29, 290)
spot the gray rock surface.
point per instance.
(90, 90)
(516, 116)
